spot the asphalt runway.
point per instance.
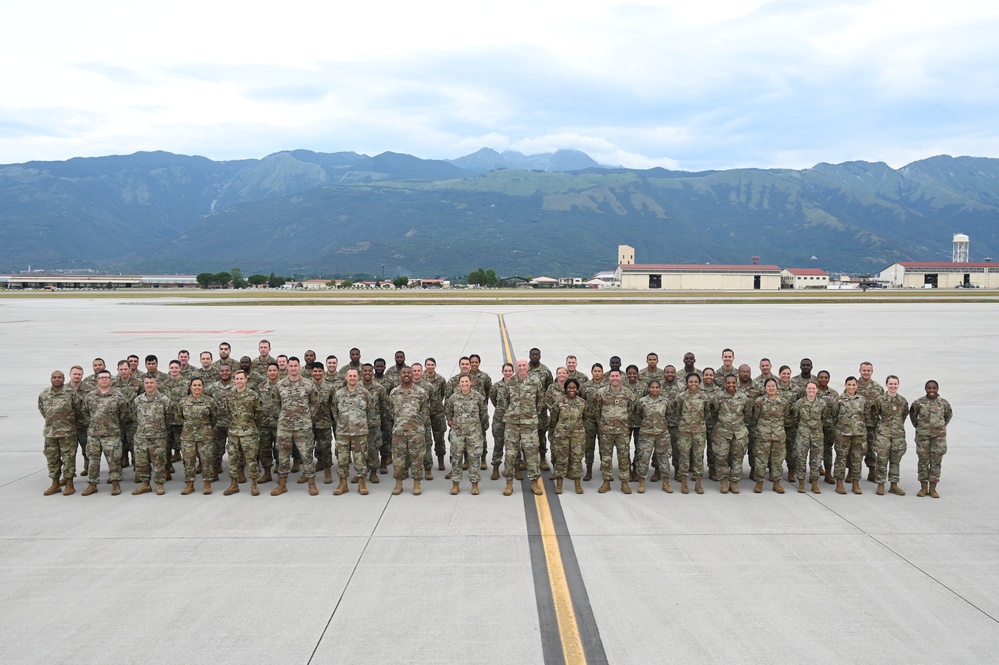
(439, 579)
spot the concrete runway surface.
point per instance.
(439, 579)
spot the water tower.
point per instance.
(960, 252)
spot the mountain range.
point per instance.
(306, 213)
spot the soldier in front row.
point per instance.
(468, 417)
(107, 413)
(61, 407)
(930, 416)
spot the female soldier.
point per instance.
(769, 414)
(850, 412)
(808, 414)
(568, 415)
(692, 409)
(198, 413)
(653, 435)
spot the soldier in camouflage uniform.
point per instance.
(353, 408)
(225, 358)
(567, 416)
(828, 426)
(499, 426)
(733, 409)
(482, 383)
(219, 391)
(613, 408)
(106, 413)
(410, 417)
(207, 372)
(651, 371)
(544, 375)
(77, 385)
(870, 390)
(198, 413)
(790, 393)
(267, 446)
(551, 395)
(322, 424)
(297, 403)
(590, 389)
(380, 399)
(808, 414)
(653, 434)
(890, 411)
(175, 387)
(130, 387)
(467, 417)
(769, 413)
(805, 377)
(523, 402)
(850, 412)
(392, 375)
(711, 389)
(573, 373)
(671, 389)
(61, 407)
(260, 363)
(693, 410)
(930, 416)
(436, 386)
(153, 414)
(727, 368)
(246, 413)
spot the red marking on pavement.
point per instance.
(190, 332)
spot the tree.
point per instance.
(238, 281)
(222, 279)
(204, 279)
(276, 282)
(401, 281)
(346, 284)
(257, 280)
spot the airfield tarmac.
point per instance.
(488, 579)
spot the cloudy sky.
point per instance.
(688, 84)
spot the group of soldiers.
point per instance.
(318, 416)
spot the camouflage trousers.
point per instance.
(352, 447)
(888, 450)
(674, 444)
(173, 443)
(81, 441)
(435, 439)
(870, 457)
(498, 435)
(243, 451)
(659, 444)
(60, 456)
(567, 454)
(543, 432)
(712, 461)
(930, 450)
(111, 447)
(608, 444)
(849, 448)
(791, 436)
(770, 451)
(374, 446)
(385, 427)
(517, 439)
(192, 447)
(754, 443)
(808, 452)
(300, 439)
(466, 443)
(323, 449)
(730, 448)
(265, 448)
(150, 452)
(828, 446)
(407, 454)
(219, 437)
(691, 449)
(590, 445)
(128, 438)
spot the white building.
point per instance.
(804, 278)
(705, 277)
(941, 274)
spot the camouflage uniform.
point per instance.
(322, 426)
(870, 391)
(545, 378)
(354, 409)
(693, 411)
(380, 399)
(218, 391)
(297, 402)
(130, 389)
(230, 361)
(385, 423)
(482, 383)
(889, 413)
(671, 391)
(437, 426)
(197, 436)
(808, 418)
(551, 395)
(499, 427)
(153, 415)
(259, 365)
(410, 419)
(653, 433)
(828, 429)
(208, 376)
(589, 392)
(647, 377)
(267, 431)
(81, 430)
(851, 416)
(752, 392)
(613, 409)
(769, 415)
(567, 418)
(523, 402)
(790, 393)
(730, 435)
(62, 411)
(175, 390)
(930, 417)
(468, 417)
(246, 412)
(580, 377)
(711, 392)
(107, 415)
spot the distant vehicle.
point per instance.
(969, 285)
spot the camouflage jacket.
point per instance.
(613, 409)
(930, 417)
(246, 411)
(850, 414)
(175, 390)
(769, 414)
(410, 410)
(524, 399)
(353, 410)
(153, 415)
(218, 391)
(106, 414)
(809, 415)
(693, 411)
(567, 415)
(890, 414)
(322, 416)
(733, 412)
(467, 414)
(653, 415)
(198, 415)
(62, 411)
(297, 402)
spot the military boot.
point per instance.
(428, 474)
(872, 475)
(53, 488)
(373, 477)
(579, 485)
(712, 475)
(544, 464)
(933, 491)
(440, 463)
(342, 488)
(815, 487)
(605, 487)
(188, 488)
(666, 486)
(362, 488)
(558, 485)
(641, 485)
(302, 479)
(495, 475)
(383, 467)
(242, 473)
(683, 486)
(92, 488)
(518, 474)
(589, 471)
(656, 476)
(856, 487)
(296, 466)
(281, 488)
(475, 488)
(207, 487)
(697, 486)
(839, 487)
(69, 488)
(777, 487)
(922, 488)
(895, 489)
(266, 477)
(327, 476)
(160, 490)
(829, 477)
(881, 489)
(733, 487)
(115, 488)
(759, 487)
(724, 486)
(417, 490)
(536, 487)
(142, 489)
(314, 491)
(508, 490)
(397, 490)
(801, 485)
(625, 487)
(254, 488)
(455, 488)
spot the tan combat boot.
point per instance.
(362, 488)
(53, 488)
(188, 488)
(518, 473)
(625, 487)
(777, 487)
(266, 478)
(641, 485)
(839, 487)
(417, 489)
(656, 476)
(440, 463)
(666, 486)
(342, 488)
(508, 490)
(856, 487)
(881, 489)
(544, 464)
(383, 467)
(207, 487)
(495, 475)
(723, 486)
(142, 489)
(455, 488)
(314, 491)
(232, 489)
(872, 475)
(815, 487)
(327, 476)
(697, 486)
(589, 471)
(254, 488)
(605, 487)
(373, 477)
(302, 479)
(733, 487)
(397, 490)
(922, 488)
(242, 473)
(115, 487)
(558, 485)
(296, 466)
(829, 477)
(428, 474)
(933, 491)
(683, 486)
(92, 488)
(536, 487)
(475, 488)
(281, 488)
(69, 487)
(801, 485)
(895, 489)
(160, 490)
(759, 487)
(579, 485)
